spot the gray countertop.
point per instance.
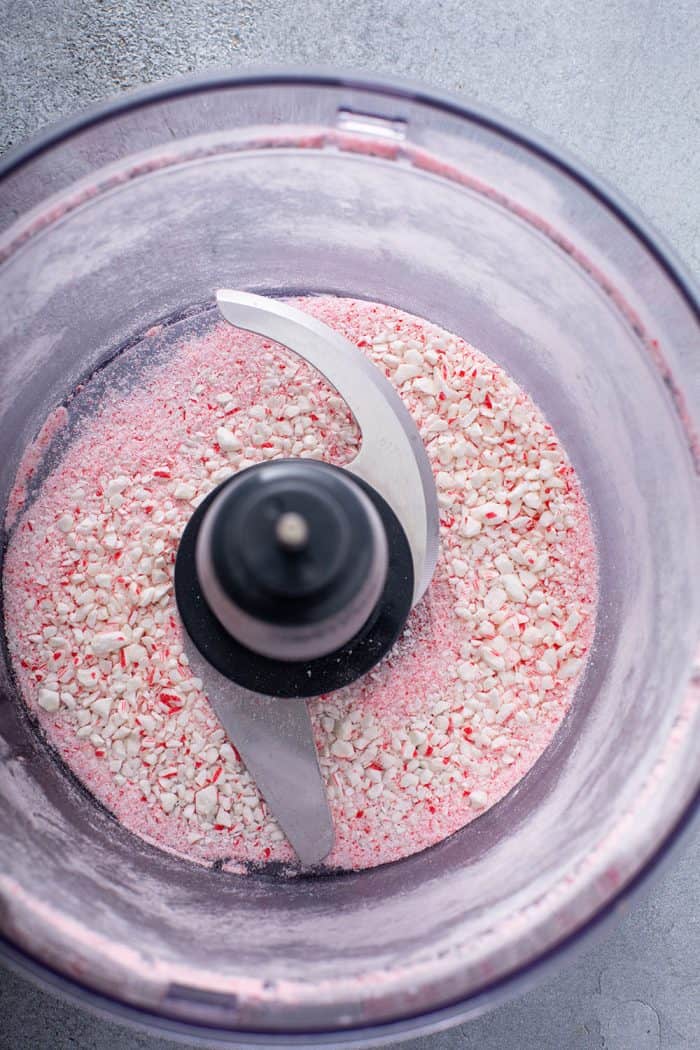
(615, 81)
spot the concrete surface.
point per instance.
(618, 83)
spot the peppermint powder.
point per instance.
(452, 718)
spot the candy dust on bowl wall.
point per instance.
(349, 583)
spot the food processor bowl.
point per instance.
(132, 216)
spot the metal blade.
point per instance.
(274, 738)
(392, 458)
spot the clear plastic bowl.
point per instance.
(133, 215)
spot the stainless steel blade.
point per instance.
(392, 458)
(274, 738)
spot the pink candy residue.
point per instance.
(444, 727)
(33, 456)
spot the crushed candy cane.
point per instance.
(444, 727)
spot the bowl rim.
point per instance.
(517, 982)
(393, 87)
(481, 1001)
